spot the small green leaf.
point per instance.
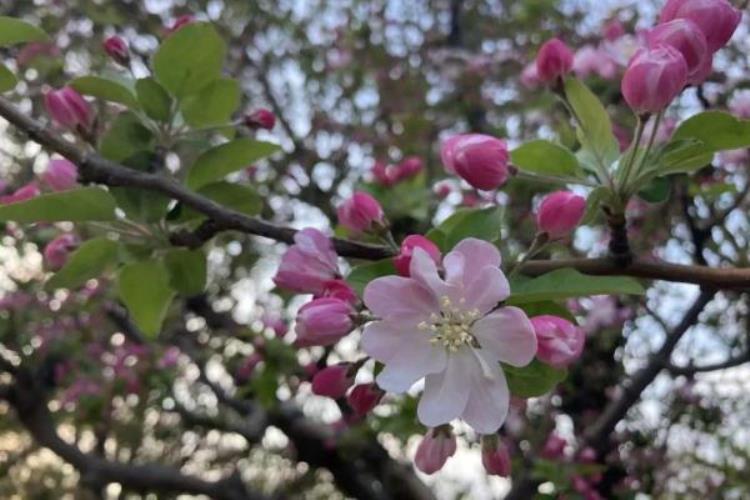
(103, 88)
(154, 99)
(229, 157)
(361, 275)
(599, 197)
(187, 270)
(213, 105)
(189, 59)
(717, 130)
(656, 191)
(243, 199)
(125, 137)
(548, 307)
(534, 379)
(595, 127)
(546, 158)
(13, 31)
(681, 156)
(482, 223)
(91, 259)
(8, 80)
(74, 205)
(144, 289)
(566, 283)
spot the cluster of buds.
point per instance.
(70, 110)
(390, 175)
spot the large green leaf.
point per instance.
(681, 156)
(546, 158)
(230, 157)
(482, 223)
(717, 130)
(361, 275)
(187, 270)
(91, 259)
(592, 120)
(144, 289)
(106, 89)
(7, 79)
(566, 283)
(534, 379)
(13, 31)
(213, 105)
(125, 137)
(238, 197)
(154, 99)
(189, 59)
(75, 205)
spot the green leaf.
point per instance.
(90, 261)
(482, 223)
(125, 137)
(187, 270)
(546, 158)
(189, 59)
(681, 156)
(595, 132)
(154, 99)
(547, 307)
(717, 130)
(213, 105)
(566, 283)
(229, 157)
(13, 31)
(361, 275)
(144, 289)
(656, 191)
(103, 88)
(8, 80)
(243, 199)
(534, 379)
(599, 197)
(75, 205)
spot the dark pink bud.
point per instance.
(554, 61)
(559, 213)
(653, 78)
(612, 30)
(481, 160)
(340, 289)
(436, 447)
(333, 381)
(323, 322)
(117, 49)
(495, 457)
(554, 447)
(363, 398)
(409, 167)
(685, 36)
(57, 251)
(361, 213)
(383, 174)
(261, 118)
(559, 342)
(24, 193)
(60, 175)
(275, 323)
(180, 22)
(247, 367)
(717, 19)
(68, 108)
(402, 261)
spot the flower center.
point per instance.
(452, 327)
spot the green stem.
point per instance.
(634, 151)
(649, 145)
(539, 243)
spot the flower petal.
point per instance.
(445, 394)
(411, 362)
(487, 290)
(489, 397)
(399, 297)
(507, 334)
(382, 340)
(478, 254)
(424, 271)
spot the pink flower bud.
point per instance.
(309, 264)
(717, 19)
(553, 61)
(57, 251)
(436, 447)
(530, 76)
(481, 160)
(275, 323)
(559, 213)
(653, 78)
(702, 72)
(180, 22)
(24, 193)
(383, 174)
(409, 167)
(495, 457)
(554, 447)
(261, 118)
(364, 397)
(340, 289)
(169, 358)
(333, 381)
(68, 108)
(402, 261)
(60, 175)
(685, 36)
(612, 30)
(361, 213)
(247, 367)
(117, 49)
(323, 322)
(559, 342)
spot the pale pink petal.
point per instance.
(445, 394)
(454, 264)
(398, 297)
(487, 404)
(507, 334)
(477, 254)
(413, 360)
(424, 271)
(382, 340)
(490, 287)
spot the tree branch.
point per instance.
(692, 370)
